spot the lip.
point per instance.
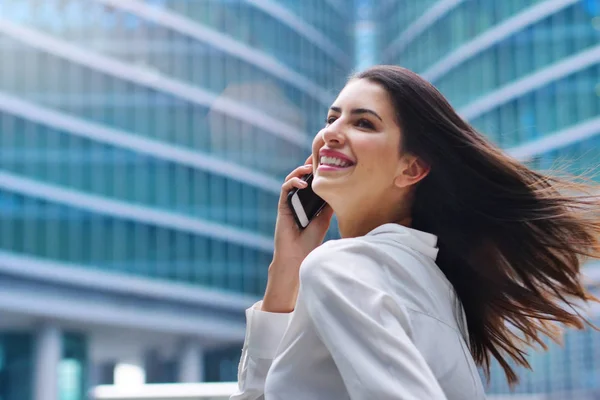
(336, 154)
(330, 168)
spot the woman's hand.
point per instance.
(292, 245)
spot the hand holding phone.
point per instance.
(292, 245)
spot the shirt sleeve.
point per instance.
(344, 290)
(264, 331)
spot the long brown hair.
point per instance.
(511, 240)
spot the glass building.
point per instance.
(142, 148)
(527, 74)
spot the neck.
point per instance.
(361, 217)
(354, 227)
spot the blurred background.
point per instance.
(143, 144)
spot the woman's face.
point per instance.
(357, 160)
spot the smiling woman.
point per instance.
(361, 127)
(446, 242)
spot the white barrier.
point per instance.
(222, 391)
(572, 395)
(517, 397)
(171, 391)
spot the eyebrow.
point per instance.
(358, 111)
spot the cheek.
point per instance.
(377, 156)
(316, 146)
(317, 142)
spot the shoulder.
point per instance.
(389, 266)
(345, 259)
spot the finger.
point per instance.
(322, 221)
(298, 172)
(309, 160)
(294, 182)
(325, 214)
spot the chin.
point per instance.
(325, 188)
(318, 184)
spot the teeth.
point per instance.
(333, 161)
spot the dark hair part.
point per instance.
(511, 240)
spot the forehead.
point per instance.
(361, 93)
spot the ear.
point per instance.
(411, 170)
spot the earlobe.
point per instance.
(399, 181)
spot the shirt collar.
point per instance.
(425, 243)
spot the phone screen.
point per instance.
(305, 203)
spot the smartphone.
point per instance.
(305, 203)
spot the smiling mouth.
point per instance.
(334, 162)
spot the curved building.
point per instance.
(527, 74)
(143, 144)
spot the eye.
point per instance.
(330, 120)
(365, 124)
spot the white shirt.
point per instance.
(375, 318)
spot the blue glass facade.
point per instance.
(150, 138)
(52, 78)
(526, 74)
(17, 363)
(566, 370)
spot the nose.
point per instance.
(332, 134)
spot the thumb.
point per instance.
(323, 220)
